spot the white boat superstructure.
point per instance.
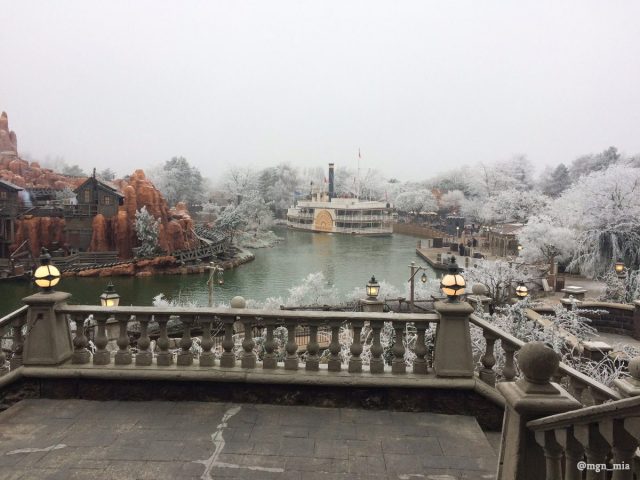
(328, 214)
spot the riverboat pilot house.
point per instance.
(9, 208)
(93, 197)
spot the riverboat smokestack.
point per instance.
(331, 191)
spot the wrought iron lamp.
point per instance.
(110, 297)
(619, 267)
(423, 278)
(46, 275)
(373, 288)
(453, 283)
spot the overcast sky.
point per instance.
(418, 86)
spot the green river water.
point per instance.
(346, 261)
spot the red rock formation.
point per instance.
(8, 140)
(41, 232)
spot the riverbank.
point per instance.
(166, 265)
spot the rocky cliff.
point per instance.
(117, 233)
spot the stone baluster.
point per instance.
(621, 434)
(17, 345)
(4, 367)
(228, 358)
(509, 369)
(185, 357)
(164, 358)
(398, 364)
(248, 356)
(123, 355)
(81, 354)
(334, 364)
(420, 362)
(102, 355)
(376, 364)
(530, 398)
(144, 357)
(487, 375)
(270, 359)
(576, 387)
(595, 447)
(573, 453)
(355, 362)
(291, 360)
(207, 357)
(313, 348)
(552, 454)
(598, 397)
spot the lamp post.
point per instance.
(110, 297)
(619, 268)
(453, 284)
(373, 288)
(414, 270)
(46, 275)
(522, 291)
(215, 276)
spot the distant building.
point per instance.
(93, 197)
(9, 208)
(503, 239)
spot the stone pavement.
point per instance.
(69, 439)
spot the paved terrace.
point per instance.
(68, 439)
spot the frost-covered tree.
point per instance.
(106, 175)
(230, 221)
(453, 200)
(239, 181)
(147, 232)
(544, 240)
(178, 181)
(416, 201)
(278, 186)
(603, 208)
(511, 205)
(588, 164)
(499, 276)
(554, 181)
(73, 171)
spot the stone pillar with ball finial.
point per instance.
(630, 386)
(530, 398)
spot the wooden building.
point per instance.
(9, 208)
(503, 239)
(93, 197)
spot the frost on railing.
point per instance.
(12, 331)
(255, 339)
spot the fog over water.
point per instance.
(419, 86)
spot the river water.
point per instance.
(346, 262)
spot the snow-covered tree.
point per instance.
(178, 181)
(603, 208)
(588, 164)
(106, 175)
(511, 205)
(278, 186)
(544, 240)
(416, 201)
(147, 232)
(499, 276)
(554, 181)
(239, 181)
(453, 200)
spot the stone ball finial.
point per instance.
(538, 362)
(634, 367)
(238, 302)
(479, 289)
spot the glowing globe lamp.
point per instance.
(453, 284)
(521, 290)
(619, 267)
(46, 275)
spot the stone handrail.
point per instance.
(597, 434)
(250, 319)
(14, 321)
(578, 381)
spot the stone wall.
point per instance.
(615, 318)
(419, 231)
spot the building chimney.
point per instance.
(331, 191)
